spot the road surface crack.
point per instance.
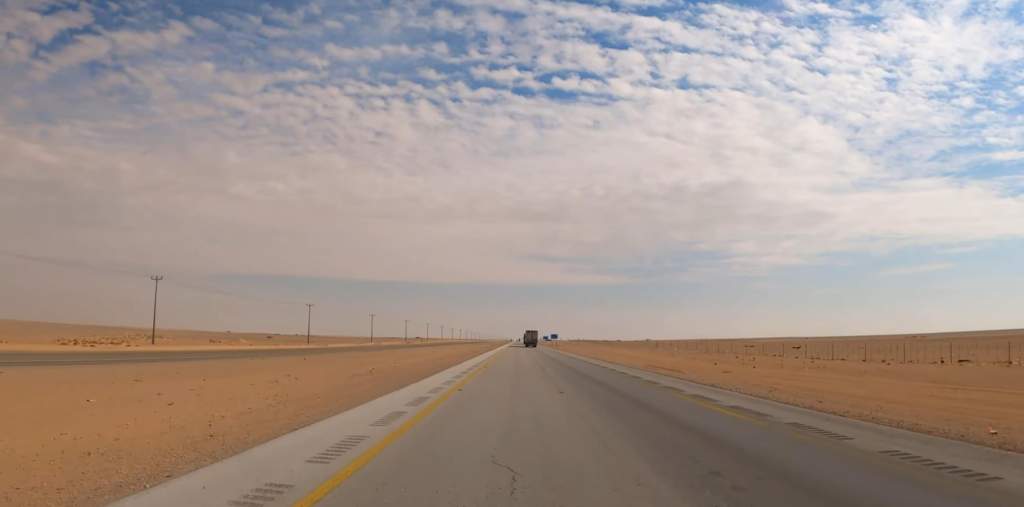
(515, 475)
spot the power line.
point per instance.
(191, 282)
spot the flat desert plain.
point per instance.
(86, 435)
(33, 335)
(966, 386)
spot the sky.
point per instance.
(605, 169)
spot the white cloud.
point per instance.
(918, 268)
(205, 24)
(575, 84)
(384, 51)
(754, 138)
(507, 75)
(430, 74)
(28, 22)
(133, 41)
(1004, 156)
(84, 48)
(23, 27)
(806, 8)
(98, 46)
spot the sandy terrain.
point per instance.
(85, 435)
(31, 335)
(961, 400)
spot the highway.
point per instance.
(540, 428)
(89, 357)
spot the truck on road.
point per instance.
(530, 338)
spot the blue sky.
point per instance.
(611, 169)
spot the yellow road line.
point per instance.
(733, 413)
(363, 459)
(832, 444)
(718, 408)
(726, 411)
(687, 397)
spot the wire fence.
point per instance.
(1005, 349)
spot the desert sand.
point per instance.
(33, 335)
(86, 435)
(979, 397)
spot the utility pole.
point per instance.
(405, 337)
(309, 315)
(371, 326)
(428, 331)
(156, 287)
(442, 331)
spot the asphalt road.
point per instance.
(543, 429)
(534, 427)
(79, 358)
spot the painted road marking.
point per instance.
(831, 434)
(940, 466)
(415, 402)
(327, 456)
(808, 430)
(257, 496)
(367, 456)
(696, 398)
(749, 411)
(701, 400)
(389, 418)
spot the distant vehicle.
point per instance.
(546, 338)
(554, 336)
(530, 338)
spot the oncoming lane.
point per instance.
(82, 358)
